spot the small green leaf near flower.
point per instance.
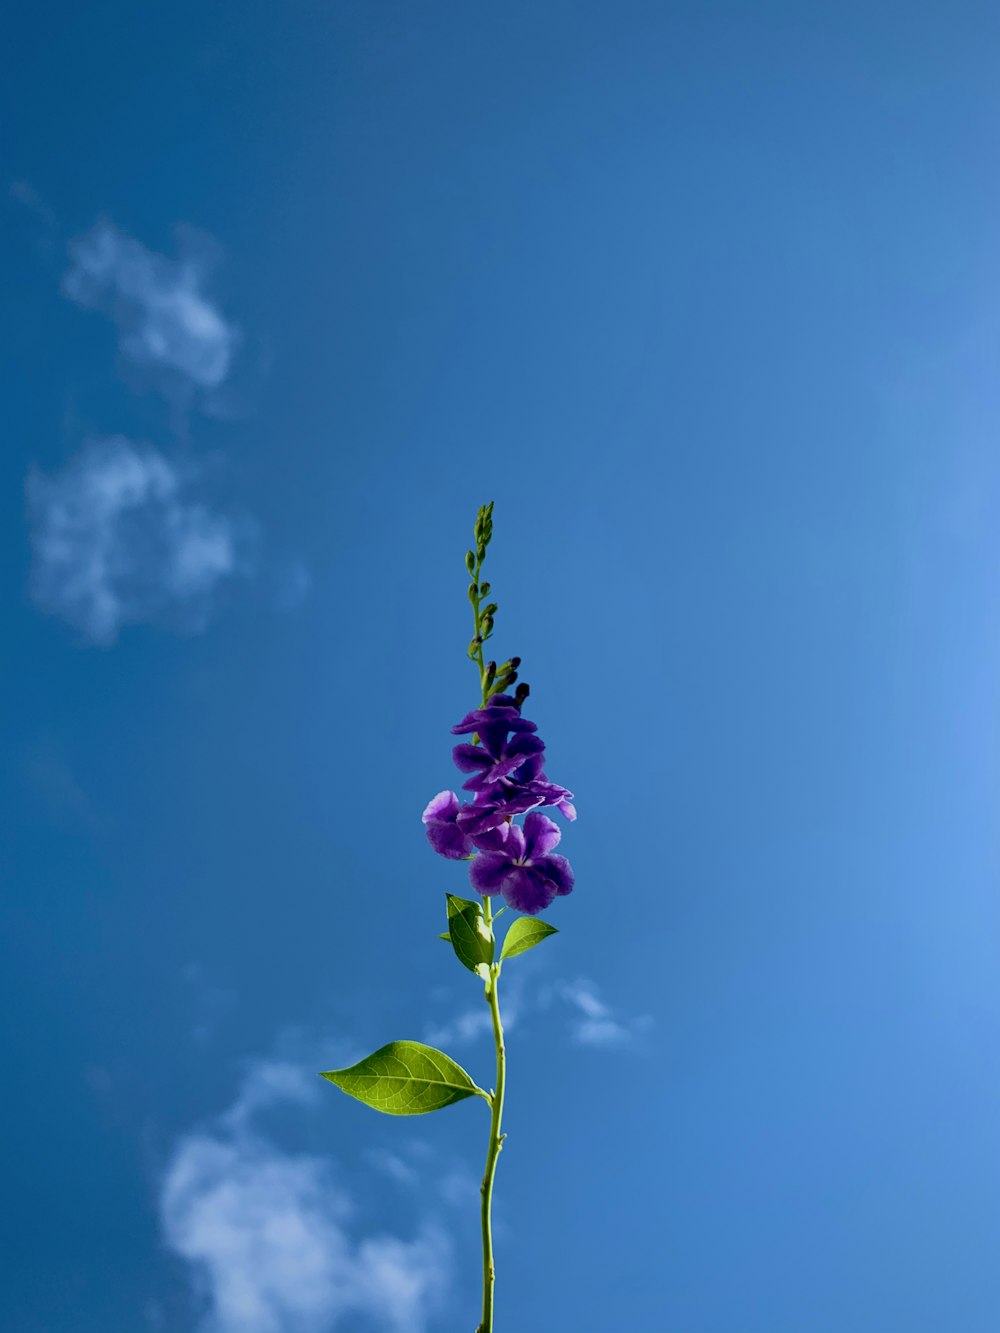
(524, 934)
(470, 936)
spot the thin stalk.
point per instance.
(493, 1000)
(495, 1146)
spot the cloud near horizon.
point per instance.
(165, 320)
(268, 1235)
(117, 540)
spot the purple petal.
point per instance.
(530, 769)
(492, 716)
(495, 839)
(515, 800)
(566, 808)
(525, 744)
(513, 755)
(548, 793)
(443, 806)
(480, 816)
(447, 839)
(488, 871)
(558, 871)
(528, 891)
(541, 834)
(480, 717)
(515, 843)
(493, 738)
(469, 758)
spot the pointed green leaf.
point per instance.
(470, 936)
(445, 935)
(406, 1078)
(524, 934)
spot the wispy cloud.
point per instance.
(117, 540)
(594, 1021)
(165, 319)
(268, 1233)
(27, 199)
(53, 781)
(470, 1023)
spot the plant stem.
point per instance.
(495, 1145)
(493, 1000)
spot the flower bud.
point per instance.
(491, 671)
(473, 591)
(470, 562)
(486, 626)
(484, 589)
(521, 693)
(474, 646)
(505, 682)
(490, 610)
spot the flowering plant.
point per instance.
(504, 760)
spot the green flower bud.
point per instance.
(486, 626)
(491, 671)
(473, 591)
(484, 589)
(470, 562)
(491, 610)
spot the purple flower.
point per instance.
(497, 756)
(532, 780)
(500, 710)
(522, 867)
(443, 832)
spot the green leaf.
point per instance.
(445, 936)
(406, 1078)
(524, 934)
(471, 937)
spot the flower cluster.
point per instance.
(505, 763)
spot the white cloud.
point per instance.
(469, 1024)
(393, 1166)
(268, 1233)
(595, 1024)
(116, 541)
(165, 320)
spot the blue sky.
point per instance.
(705, 298)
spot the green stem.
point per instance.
(495, 1145)
(493, 1000)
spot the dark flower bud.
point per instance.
(491, 610)
(505, 682)
(474, 646)
(473, 591)
(470, 562)
(491, 671)
(486, 626)
(485, 589)
(515, 662)
(521, 693)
